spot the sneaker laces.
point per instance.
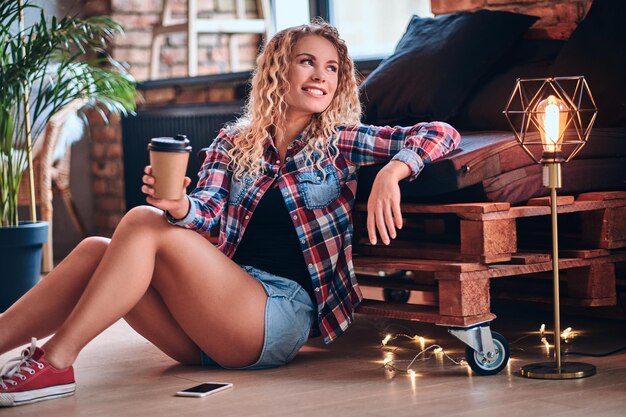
(14, 367)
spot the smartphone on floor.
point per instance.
(205, 389)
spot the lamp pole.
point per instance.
(552, 114)
(553, 172)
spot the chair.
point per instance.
(51, 175)
(194, 26)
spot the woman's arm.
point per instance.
(409, 149)
(207, 201)
(415, 145)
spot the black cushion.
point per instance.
(596, 50)
(531, 58)
(437, 62)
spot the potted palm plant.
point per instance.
(44, 67)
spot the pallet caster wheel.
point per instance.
(483, 365)
(396, 296)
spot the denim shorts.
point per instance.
(289, 313)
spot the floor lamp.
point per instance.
(552, 117)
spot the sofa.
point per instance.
(461, 68)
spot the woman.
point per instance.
(285, 174)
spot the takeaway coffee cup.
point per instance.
(168, 158)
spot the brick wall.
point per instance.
(137, 16)
(558, 19)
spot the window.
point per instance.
(370, 28)
(287, 13)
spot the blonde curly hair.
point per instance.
(265, 109)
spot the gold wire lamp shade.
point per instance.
(552, 117)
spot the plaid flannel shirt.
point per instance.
(320, 206)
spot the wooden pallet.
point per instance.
(495, 241)
(493, 232)
(462, 290)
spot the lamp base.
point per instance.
(548, 370)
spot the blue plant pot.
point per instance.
(20, 259)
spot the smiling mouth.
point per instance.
(315, 91)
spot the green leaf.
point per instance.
(53, 60)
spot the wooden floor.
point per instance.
(121, 374)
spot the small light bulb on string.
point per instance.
(542, 330)
(567, 334)
(546, 345)
(390, 363)
(389, 372)
(412, 376)
(388, 356)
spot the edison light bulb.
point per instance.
(552, 117)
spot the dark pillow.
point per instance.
(531, 58)
(596, 50)
(437, 63)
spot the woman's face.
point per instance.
(313, 75)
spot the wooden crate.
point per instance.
(493, 232)
(462, 290)
(495, 241)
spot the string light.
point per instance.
(389, 362)
(412, 376)
(567, 334)
(546, 345)
(390, 365)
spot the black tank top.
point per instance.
(270, 242)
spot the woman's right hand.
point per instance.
(176, 208)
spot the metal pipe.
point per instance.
(555, 276)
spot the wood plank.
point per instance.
(602, 196)
(593, 281)
(464, 298)
(396, 283)
(583, 253)
(605, 228)
(565, 301)
(412, 312)
(532, 211)
(490, 239)
(417, 264)
(498, 271)
(376, 272)
(525, 258)
(460, 208)
(545, 201)
(426, 250)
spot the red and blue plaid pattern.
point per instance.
(323, 224)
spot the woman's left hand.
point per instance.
(383, 205)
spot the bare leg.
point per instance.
(152, 319)
(215, 302)
(46, 306)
